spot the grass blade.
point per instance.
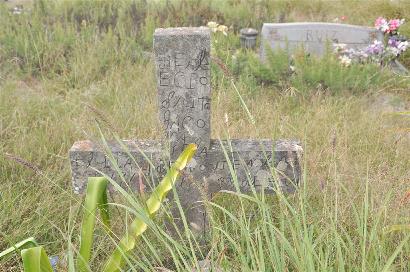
(394, 254)
(138, 226)
(394, 228)
(27, 243)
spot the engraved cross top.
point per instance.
(184, 87)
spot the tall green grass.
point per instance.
(65, 60)
(259, 232)
(78, 40)
(36, 260)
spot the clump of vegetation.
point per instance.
(35, 259)
(257, 233)
(305, 73)
(78, 41)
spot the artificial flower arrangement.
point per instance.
(215, 27)
(381, 52)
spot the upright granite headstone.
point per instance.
(182, 57)
(315, 37)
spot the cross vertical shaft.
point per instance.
(184, 87)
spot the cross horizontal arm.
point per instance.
(264, 164)
(87, 158)
(251, 162)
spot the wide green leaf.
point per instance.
(96, 198)
(138, 226)
(35, 259)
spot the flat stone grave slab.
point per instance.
(182, 58)
(315, 37)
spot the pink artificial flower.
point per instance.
(394, 24)
(379, 22)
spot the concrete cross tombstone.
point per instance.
(182, 57)
(315, 37)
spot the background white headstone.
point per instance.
(315, 37)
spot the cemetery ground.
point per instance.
(93, 74)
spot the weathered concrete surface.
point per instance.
(315, 37)
(182, 58)
(252, 162)
(229, 165)
(147, 162)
